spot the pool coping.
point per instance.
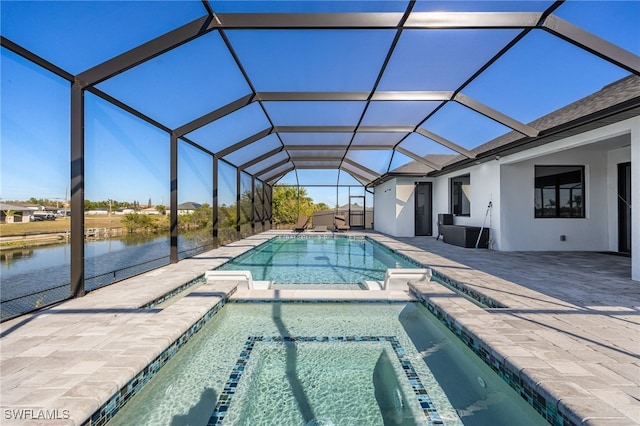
(529, 342)
(441, 303)
(33, 345)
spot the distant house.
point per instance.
(29, 206)
(188, 207)
(124, 211)
(14, 213)
(150, 211)
(98, 211)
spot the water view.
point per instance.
(33, 271)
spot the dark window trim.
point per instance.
(460, 193)
(557, 192)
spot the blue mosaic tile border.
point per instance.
(251, 251)
(169, 295)
(547, 409)
(458, 287)
(224, 401)
(109, 409)
(245, 254)
(310, 301)
(397, 253)
(319, 236)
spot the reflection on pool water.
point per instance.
(322, 364)
(318, 260)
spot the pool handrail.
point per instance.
(421, 274)
(243, 276)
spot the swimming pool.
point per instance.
(325, 363)
(318, 260)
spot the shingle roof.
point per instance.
(617, 93)
(613, 94)
(189, 205)
(14, 207)
(415, 167)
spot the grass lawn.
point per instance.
(58, 225)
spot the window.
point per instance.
(559, 191)
(461, 195)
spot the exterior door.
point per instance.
(423, 215)
(356, 211)
(624, 208)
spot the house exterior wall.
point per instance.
(485, 189)
(394, 207)
(599, 230)
(405, 207)
(522, 231)
(508, 183)
(635, 199)
(384, 208)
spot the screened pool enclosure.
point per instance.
(178, 108)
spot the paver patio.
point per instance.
(571, 327)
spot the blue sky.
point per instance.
(129, 160)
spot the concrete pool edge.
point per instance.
(86, 396)
(552, 394)
(217, 295)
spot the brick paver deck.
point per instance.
(571, 327)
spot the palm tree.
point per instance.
(8, 213)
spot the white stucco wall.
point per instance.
(394, 211)
(508, 183)
(635, 199)
(598, 231)
(522, 231)
(485, 188)
(440, 200)
(405, 207)
(384, 211)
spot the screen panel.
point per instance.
(312, 60)
(537, 66)
(181, 84)
(92, 31)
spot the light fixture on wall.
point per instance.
(497, 158)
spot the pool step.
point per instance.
(372, 285)
(261, 285)
(401, 276)
(322, 296)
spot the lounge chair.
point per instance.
(303, 221)
(341, 223)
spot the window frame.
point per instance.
(456, 198)
(557, 189)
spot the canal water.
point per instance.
(27, 271)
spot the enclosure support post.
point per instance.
(173, 204)
(77, 190)
(214, 205)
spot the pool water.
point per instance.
(318, 260)
(325, 364)
(316, 379)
